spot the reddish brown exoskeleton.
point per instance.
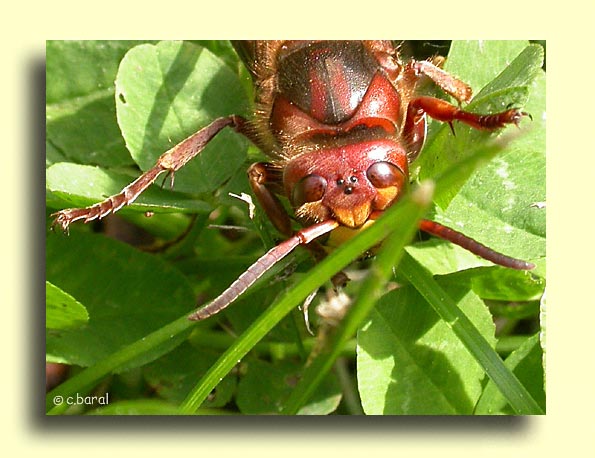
(341, 121)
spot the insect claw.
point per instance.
(167, 174)
(60, 220)
(163, 181)
(452, 129)
(519, 115)
(305, 307)
(171, 175)
(63, 225)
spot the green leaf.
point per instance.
(512, 74)
(80, 111)
(183, 88)
(222, 49)
(265, 386)
(411, 363)
(62, 311)
(477, 62)
(498, 283)
(128, 294)
(173, 375)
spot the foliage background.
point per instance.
(139, 309)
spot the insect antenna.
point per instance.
(446, 233)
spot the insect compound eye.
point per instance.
(384, 174)
(311, 188)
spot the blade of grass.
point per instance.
(516, 394)
(57, 399)
(405, 215)
(381, 270)
(221, 341)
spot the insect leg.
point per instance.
(446, 112)
(262, 265)
(169, 162)
(448, 83)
